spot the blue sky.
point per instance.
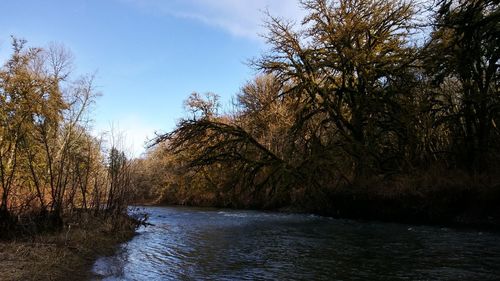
(148, 55)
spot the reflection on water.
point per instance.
(210, 244)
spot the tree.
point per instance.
(31, 100)
(340, 64)
(464, 48)
(200, 107)
(323, 113)
(50, 165)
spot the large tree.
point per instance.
(341, 62)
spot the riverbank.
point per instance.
(67, 254)
(432, 197)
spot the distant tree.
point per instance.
(202, 107)
(119, 181)
(265, 114)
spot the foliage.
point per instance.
(465, 44)
(50, 164)
(347, 96)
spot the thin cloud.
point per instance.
(242, 18)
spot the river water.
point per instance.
(214, 244)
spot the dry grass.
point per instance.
(65, 255)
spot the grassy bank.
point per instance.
(67, 254)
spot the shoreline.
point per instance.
(477, 216)
(446, 198)
(69, 252)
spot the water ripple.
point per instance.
(210, 244)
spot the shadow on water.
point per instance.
(210, 244)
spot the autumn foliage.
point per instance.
(51, 167)
(361, 99)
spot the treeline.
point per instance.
(383, 103)
(51, 167)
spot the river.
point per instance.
(214, 244)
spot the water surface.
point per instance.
(212, 244)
